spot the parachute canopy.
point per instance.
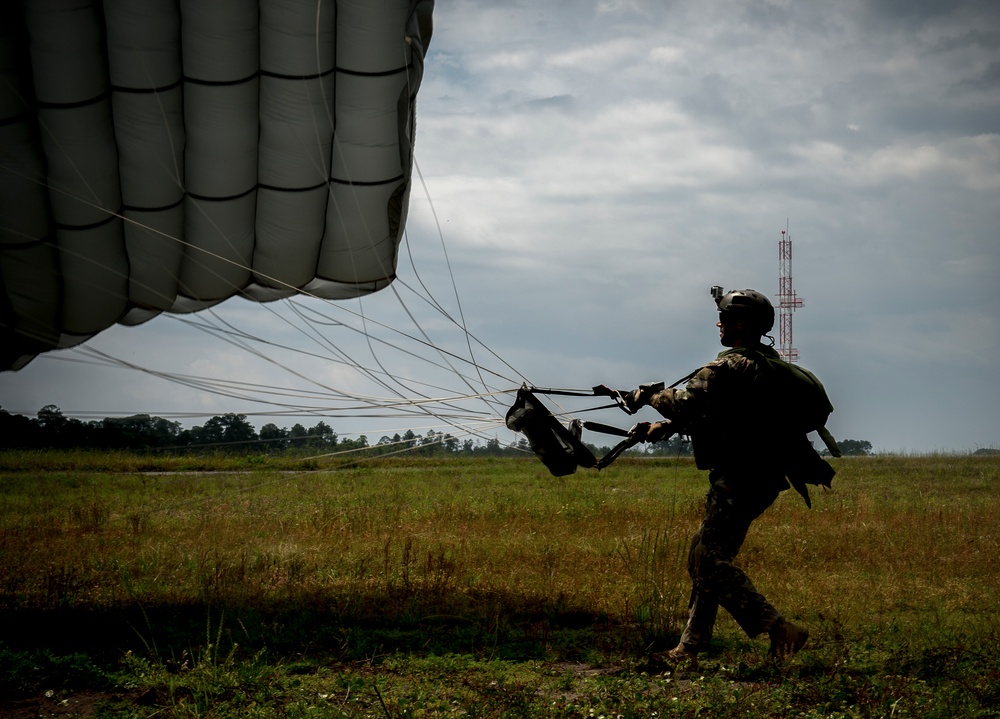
(165, 155)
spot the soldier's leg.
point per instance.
(728, 515)
(702, 607)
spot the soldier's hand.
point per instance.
(642, 396)
(628, 399)
(651, 431)
(639, 431)
(659, 431)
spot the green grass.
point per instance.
(408, 588)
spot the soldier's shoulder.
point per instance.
(727, 364)
(733, 359)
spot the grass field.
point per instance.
(218, 587)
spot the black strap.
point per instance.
(606, 429)
(611, 456)
(564, 392)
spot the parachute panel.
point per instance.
(298, 63)
(160, 155)
(154, 259)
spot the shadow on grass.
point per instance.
(74, 647)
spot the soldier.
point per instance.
(724, 409)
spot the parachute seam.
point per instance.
(162, 208)
(147, 90)
(366, 183)
(222, 83)
(81, 228)
(381, 73)
(46, 105)
(206, 198)
(275, 188)
(283, 76)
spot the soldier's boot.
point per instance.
(787, 639)
(681, 655)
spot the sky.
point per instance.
(588, 170)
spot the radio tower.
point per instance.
(788, 301)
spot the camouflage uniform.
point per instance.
(723, 408)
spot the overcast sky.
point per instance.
(595, 167)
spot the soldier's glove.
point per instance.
(659, 431)
(631, 400)
(625, 398)
(650, 431)
(641, 397)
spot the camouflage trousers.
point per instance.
(730, 508)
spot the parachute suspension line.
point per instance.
(479, 342)
(461, 322)
(433, 303)
(348, 360)
(324, 160)
(234, 334)
(231, 337)
(302, 310)
(371, 374)
(451, 274)
(236, 390)
(420, 329)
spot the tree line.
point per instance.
(230, 432)
(51, 429)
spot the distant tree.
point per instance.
(855, 447)
(50, 418)
(16, 430)
(275, 437)
(298, 435)
(348, 444)
(493, 447)
(227, 429)
(137, 432)
(322, 436)
(431, 443)
(60, 431)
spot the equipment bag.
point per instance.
(801, 397)
(559, 447)
(803, 407)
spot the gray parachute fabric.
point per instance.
(164, 155)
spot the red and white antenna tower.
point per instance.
(788, 301)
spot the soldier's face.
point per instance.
(730, 331)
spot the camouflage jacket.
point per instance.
(724, 409)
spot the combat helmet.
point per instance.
(751, 306)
